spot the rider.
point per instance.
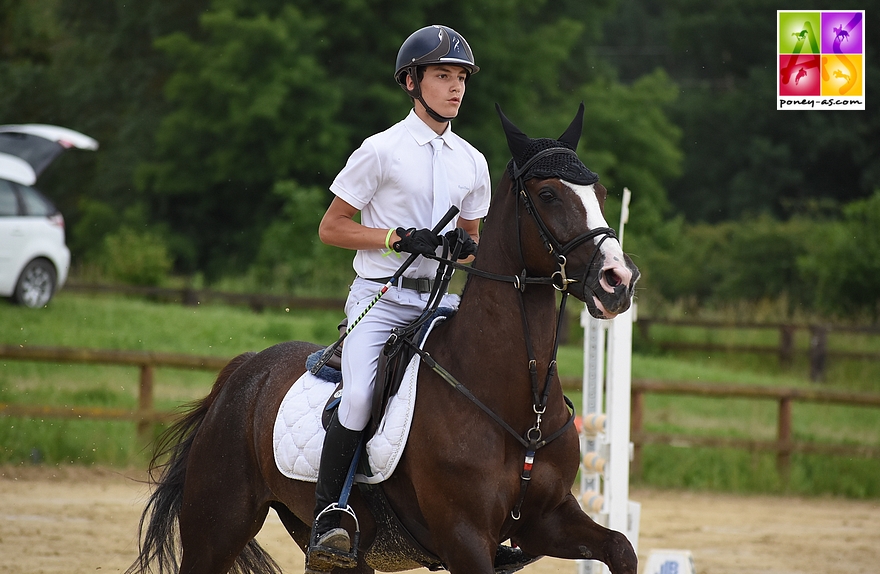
(393, 182)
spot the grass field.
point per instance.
(134, 324)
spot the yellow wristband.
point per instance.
(387, 239)
(390, 250)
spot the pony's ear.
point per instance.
(573, 134)
(517, 141)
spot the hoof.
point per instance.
(509, 560)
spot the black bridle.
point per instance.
(533, 439)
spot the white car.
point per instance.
(34, 259)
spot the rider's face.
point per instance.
(442, 88)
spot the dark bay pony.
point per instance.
(460, 487)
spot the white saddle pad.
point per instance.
(299, 435)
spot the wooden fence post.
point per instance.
(783, 455)
(644, 329)
(818, 352)
(189, 297)
(786, 345)
(636, 420)
(145, 402)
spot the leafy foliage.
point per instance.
(291, 258)
(844, 262)
(760, 261)
(138, 258)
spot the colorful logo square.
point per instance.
(841, 75)
(799, 32)
(820, 59)
(842, 32)
(800, 75)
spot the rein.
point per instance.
(533, 438)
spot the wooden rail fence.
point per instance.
(146, 414)
(818, 351)
(146, 362)
(784, 445)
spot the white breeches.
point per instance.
(360, 356)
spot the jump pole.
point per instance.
(606, 449)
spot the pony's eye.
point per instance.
(546, 195)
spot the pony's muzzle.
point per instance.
(612, 290)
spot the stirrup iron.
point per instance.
(325, 555)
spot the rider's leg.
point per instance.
(340, 445)
(359, 363)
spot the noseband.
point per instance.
(553, 245)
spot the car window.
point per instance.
(34, 204)
(8, 201)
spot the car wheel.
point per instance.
(36, 285)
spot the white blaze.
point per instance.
(611, 252)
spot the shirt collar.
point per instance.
(423, 134)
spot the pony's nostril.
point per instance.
(612, 278)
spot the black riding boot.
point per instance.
(340, 445)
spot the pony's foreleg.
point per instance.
(567, 532)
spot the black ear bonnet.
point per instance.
(564, 165)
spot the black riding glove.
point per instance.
(421, 241)
(468, 245)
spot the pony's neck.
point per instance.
(495, 303)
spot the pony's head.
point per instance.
(565, 234)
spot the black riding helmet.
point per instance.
(432, 45)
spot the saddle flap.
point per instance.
(393, 360)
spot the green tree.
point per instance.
(844, 262)
(291, 257)
(138, 258)
(252, 106)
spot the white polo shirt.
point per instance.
(389, 179)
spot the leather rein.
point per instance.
(533, 439)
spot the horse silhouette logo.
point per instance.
(839, 74)
(802, 73)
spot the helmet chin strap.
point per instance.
(432, 113)
(416, 93)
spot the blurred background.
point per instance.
(222, 124)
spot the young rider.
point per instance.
(401, 186)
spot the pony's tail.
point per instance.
(158, 528)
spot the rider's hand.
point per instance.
(412, 240)
(468, 245)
